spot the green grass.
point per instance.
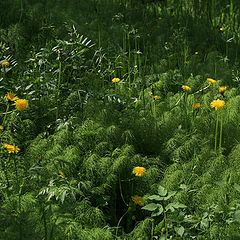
(82, 134)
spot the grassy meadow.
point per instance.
(119, 120)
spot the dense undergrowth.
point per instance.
(119, 120)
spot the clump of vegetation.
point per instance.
(119, 120)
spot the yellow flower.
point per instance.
(21, 104)
(5, 63)
(116, 80)
(11, 97)
(138, 200)
(217, 104)
(222, 89)
(196, 105)
(139, 171)
(156, 97)
(11, 148)
(211, 81)
(61, 174)
(186, 88)
(221, 29)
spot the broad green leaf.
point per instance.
(170, 194)
(151, 207)
(63, 195)
(155, 197)
(174, 205)
(178, 205)
(158, 212)
(170, 207)
(162, 191)
(179, 230)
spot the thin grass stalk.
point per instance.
(216, 133)
(58, 88)
(220, 134)
(5, 115)
(129, 59)
(118, 224)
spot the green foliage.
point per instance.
(68, 169)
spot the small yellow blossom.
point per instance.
(222, 29)
(186, 88)
(222, 89)
(138, 200)
(21, 104)
(11, 97)
(11, 148)
(156, 97)
(116, 80)
(139, 171)
(196, 105)
(217, 104)
(211, 81)
(5, 63)
(61, 174)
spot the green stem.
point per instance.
(165, 224)
(120, 222)
(220, 134)
(121, 193)
(5, 115)
(216, 133)
(58, 88)
(129, 60)
(152, 230)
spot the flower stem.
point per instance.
(120, 222)
(5, 115)
(220, 134)
(216, 133)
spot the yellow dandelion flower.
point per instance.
(211, 81)
(222, 89)
(186, 88)
(11, 97)
(139, 171)
(196, 105)
(156, 97)
(222, 29)
(217, 104)
(11, 148)
(116, 80)
(5, 63)
(138, 200)
(21, 104)
(61, 174)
